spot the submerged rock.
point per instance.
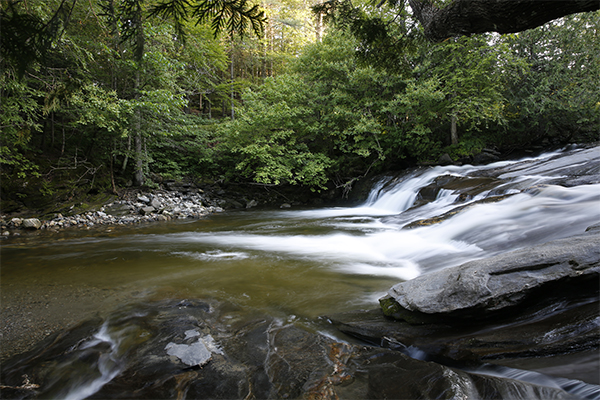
(195, 354)
(256, 356)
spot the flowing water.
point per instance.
(303, 263)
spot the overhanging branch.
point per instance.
(465, 17)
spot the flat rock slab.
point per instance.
(484, 287)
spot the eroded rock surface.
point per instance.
(482, 287)
(255, 356)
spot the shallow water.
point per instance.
(303, 263)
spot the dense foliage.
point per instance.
(102, 105)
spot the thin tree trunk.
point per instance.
(453, 132)
(319, 27)
(232, 76)
(52, 129)
(112, 172)
(62, 148)
(138, 177)
(124, 167)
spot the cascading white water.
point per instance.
(360, 241)
(107, 366)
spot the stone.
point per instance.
(143, 199)
(445, 159)
(147, 210)
(31, 223)
(485, 158)
(251, 203)
(481, 287)
(16, 222)
(285, 205)
(155, 202)
(192, 355)
(118, 210)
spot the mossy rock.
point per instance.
(392, 309)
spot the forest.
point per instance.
(102, 95)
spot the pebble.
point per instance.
(164, 206)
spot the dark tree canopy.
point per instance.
(465, 17)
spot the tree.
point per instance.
(465, 17)
(470, 72)
(442, 19)
(26, 37)
(554, 100)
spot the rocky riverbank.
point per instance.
(174, 200)
(140, 207)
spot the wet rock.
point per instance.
(31, 223)
(230, 203)
(543, 332)
(485, 157)
(152, 355)
(454, 211)
(481, 287)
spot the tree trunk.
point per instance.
(465, 17)
(453, 131)
(319, 27)
(62, 147)
(232, 80)
(126, 159)
(138, 176)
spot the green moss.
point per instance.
(392, 309)
(389, 306)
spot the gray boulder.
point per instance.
(498, 283)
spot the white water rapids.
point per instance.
(361, 240)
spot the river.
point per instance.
(299, 264)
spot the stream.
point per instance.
(298, 264)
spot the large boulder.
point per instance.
(484, 287)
